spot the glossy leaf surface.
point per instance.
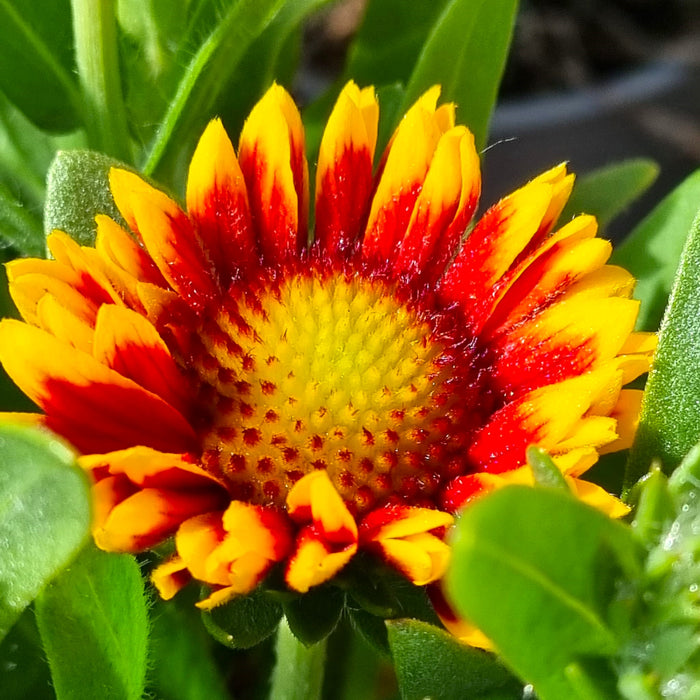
(44, 515)
(535, 570)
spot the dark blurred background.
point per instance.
(587, 81)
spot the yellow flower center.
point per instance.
(324, 371)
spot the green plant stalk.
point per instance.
(298, 673)
(104, 113)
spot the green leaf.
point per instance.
(24, 673)
(181, 662)
(25, 154)
(544, 470)
(314, 615)
(94, 626)
(390, 37)
(654, 508)
(466, 53)
(244, 621)
(592, 679)
(18, 227)
(36, 62)
(271, 57)
(384, 592)
(685, 480)
(44, 515)
(152, 35)
(669, 424)
(608, 191)
(430, 662)
(536, 570)
(652, 251)
(370, 628)
(78, 190)
(203, 82)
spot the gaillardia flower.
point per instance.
(275, 399)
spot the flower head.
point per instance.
(272, 399)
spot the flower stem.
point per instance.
(94, 27)
(298, 673)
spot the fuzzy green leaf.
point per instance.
(314, 615)
(78, 190)
(44, 515)
(652, 251)
(466, 53)
(370, 628)
(431, 663)
(244, 621)
(94, 626)
(535, 570)
(670, 419)
(608, 191)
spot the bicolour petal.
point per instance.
(93, 283)
(88, 403)
(168, 236)
(129, 344)
(406, 164)
(273, 162)
(314, 560)
(217, 201)
(75, 278)
(499, 237)
(344, 170)
(129, 519)
(403, 536)
(126, 261)
(565, 340)
(146, 467)
(544, 417)
(170, 577)
(567, 256)
(233, 550)
(314, 499)
(328, 543)
(443, 208)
